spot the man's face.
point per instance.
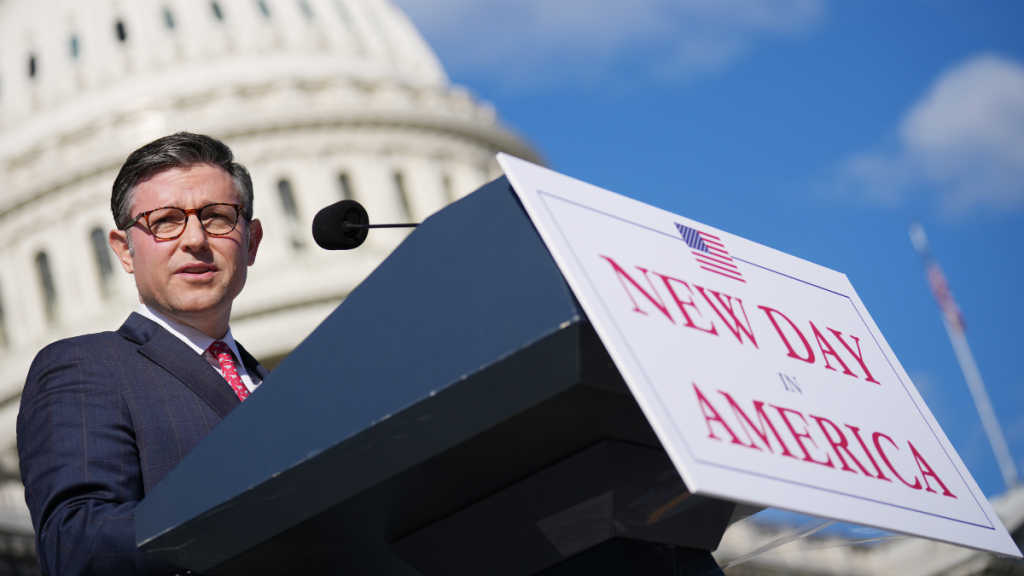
(195, 277)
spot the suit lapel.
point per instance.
(173, 355)
(251, 364)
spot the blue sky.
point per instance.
(817, 128)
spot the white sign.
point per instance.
(763, 375)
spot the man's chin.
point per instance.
(199, 304)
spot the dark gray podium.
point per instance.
(456, 415)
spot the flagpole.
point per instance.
(953, 322)
(984, 406)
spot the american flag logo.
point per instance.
(710, 252)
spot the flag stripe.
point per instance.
(723, 265)
(732, 269)
(726, 275)
(716, 258)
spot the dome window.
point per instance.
(263, 8)
(122, 32)
(291, 212)
(46, 283)
(345, 186)
(74, 46)
(103, 262)
(217, 11)
(446, 185)
(403, 196)
(32, 66)
(307, 10)
(168, 19)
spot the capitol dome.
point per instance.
(320, 99)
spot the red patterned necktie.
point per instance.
(222, 353)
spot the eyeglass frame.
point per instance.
(188, 212)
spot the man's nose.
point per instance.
(194, 234)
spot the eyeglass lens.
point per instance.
(216, 219)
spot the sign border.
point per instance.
(543, 195)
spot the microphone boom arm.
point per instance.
(344, 226)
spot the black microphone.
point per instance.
(344, 226)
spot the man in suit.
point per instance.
(104, 417)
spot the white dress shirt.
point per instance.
(199, 342)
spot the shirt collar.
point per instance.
(195, 339)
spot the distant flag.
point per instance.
(710, 253)
(940, 289)
(955, 329)
(937, 280)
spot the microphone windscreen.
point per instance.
(329, 230)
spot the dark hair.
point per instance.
(176, 150)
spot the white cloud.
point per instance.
(526, 43)
(963, 141)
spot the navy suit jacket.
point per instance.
(104, 418)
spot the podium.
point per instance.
(455, 415)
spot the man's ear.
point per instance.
(118, 240)
(255, 236)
